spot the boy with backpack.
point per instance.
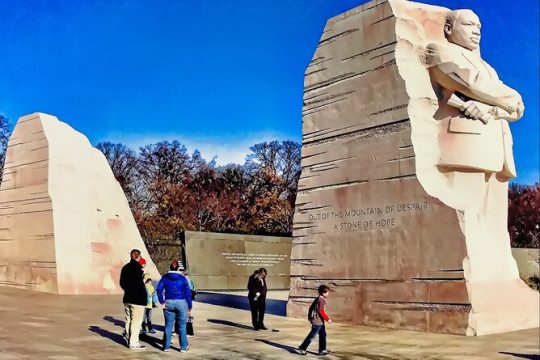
(317, 316)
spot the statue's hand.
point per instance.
(473, 111)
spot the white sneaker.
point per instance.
(184, 350)
(137, 346)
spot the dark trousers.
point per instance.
(147, 320)
(315, 329)
(257, 312)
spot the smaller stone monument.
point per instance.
(65, 223)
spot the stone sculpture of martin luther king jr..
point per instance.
(475, 159)
(474, 141)
(475, 106)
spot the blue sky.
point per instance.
(218, 75)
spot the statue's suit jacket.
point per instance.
(465, 143)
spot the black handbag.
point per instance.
(189, 326)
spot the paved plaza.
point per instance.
(45, 326)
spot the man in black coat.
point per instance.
(262, 299)
(257, 298)
(135, 299)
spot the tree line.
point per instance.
(171, 190)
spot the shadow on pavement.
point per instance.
(288, 348)
(522, 356)
(119, 339)
(274, 307)
(121, 323)
(230, 323)
(115, 322)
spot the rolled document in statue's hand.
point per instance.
(456, 102)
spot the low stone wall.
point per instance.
(528, 261)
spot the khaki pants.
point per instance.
(134, 317)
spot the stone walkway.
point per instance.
(44, 326)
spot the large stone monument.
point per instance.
(406, 157)
(65, 224)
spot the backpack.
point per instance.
(313, 309)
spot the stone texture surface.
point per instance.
(225, 261)
(90, 327)
(369, 220)
(65, 224)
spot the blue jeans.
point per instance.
(315, 329)
(176, 311)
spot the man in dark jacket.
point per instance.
(135, 299)
(262, 299)
(177, 303)
(257, 298)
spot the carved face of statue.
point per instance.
(464, 30)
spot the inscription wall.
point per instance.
(218, 261)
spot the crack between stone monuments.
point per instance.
(360, 132)
(361, 10)
(314, 72)
(383, 19)
(427, 306)
(313, 133)
(353, 279)
(318, 61)
(344, 77)
(330, 162)
(405, 147)
(304, 227)
(315, 96)
(332, 38)
(327, 135)
(401, 159)
(440, 280)
(315, 208)
(28, 212)
(309, 176)
(28, 142)
(30, 119)
(402, 106)
(31, 199)
(381, 55)
(335, 186)
(24, 164)
(353, 57)
(323, 168)
(320, 107)
(329, 97)
(399, 177)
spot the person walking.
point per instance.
(317, 316)
(135, 299)
(175, 295)
(152, 302)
